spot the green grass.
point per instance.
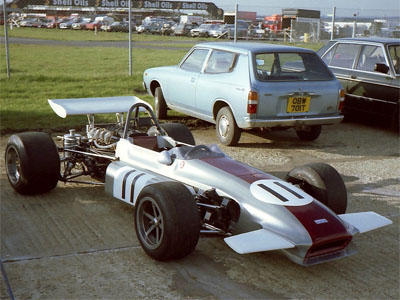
(87, 35)
(45, 72)
(39, 73)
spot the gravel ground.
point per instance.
(78, 243)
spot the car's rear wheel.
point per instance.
(160, 104)
(179, 132)
(32, 163)
(322, 182)
(227, 130)
(309, 133)
(167, 221)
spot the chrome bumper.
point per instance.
(292, 122)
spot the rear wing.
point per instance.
(92, 106)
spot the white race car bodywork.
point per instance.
(272, 214)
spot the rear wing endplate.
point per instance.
(92, 106)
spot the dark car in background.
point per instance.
(183, 29)
(369, 70)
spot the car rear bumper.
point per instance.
(292, 122)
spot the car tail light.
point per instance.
(252, 102)
(341, 99)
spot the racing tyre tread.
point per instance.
(176, 207)
(322, 182)
(32, 163)
(160, 104)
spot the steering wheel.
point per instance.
(197, 148)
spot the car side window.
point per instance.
(344, 56)
(394, 51)
(194, 62)
(221, 62)
(369, 57)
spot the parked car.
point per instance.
(179, 189)
(81, 23)
(68, 24)
(249, 85)
(183, 29)
(228, 31)
(369, 70)
(98, 22)
(203, 30)
(144, 28)
(168, 28)
(155, 28)
(122, 26)
(29, 22)
(55, 23)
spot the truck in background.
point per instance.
(189, 19)
(273, 23)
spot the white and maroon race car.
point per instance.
(180, 190)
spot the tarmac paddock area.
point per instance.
(76, 242)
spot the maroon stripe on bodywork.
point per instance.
(238, 169)
(327, 236)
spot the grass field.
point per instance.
(44, 72)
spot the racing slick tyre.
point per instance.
(322, 182)
(179, 132)
(310, 133)
(167, 221)
(160, 104)
(32, 163)
(227, 130)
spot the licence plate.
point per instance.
(298, 104)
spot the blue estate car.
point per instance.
(248, 85)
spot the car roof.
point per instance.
(373, 39)
(247, 47)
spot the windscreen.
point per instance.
(291, 66)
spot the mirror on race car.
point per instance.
(164, 158)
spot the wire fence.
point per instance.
(194, 19)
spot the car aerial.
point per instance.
(249, 85)
(369, 70)
(179, 189)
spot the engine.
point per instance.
(88, 155)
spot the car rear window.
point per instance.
(291, 66)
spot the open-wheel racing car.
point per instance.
(180, 190)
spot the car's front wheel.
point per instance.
(309, 133)
(167, 222)
(160, 104)
(32, 163)
(227, 130)
(323, 183)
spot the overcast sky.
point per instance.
(375, 8)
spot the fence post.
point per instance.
(130, 38)
(6, 38)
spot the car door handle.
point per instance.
(353, 77)
(192, 79)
